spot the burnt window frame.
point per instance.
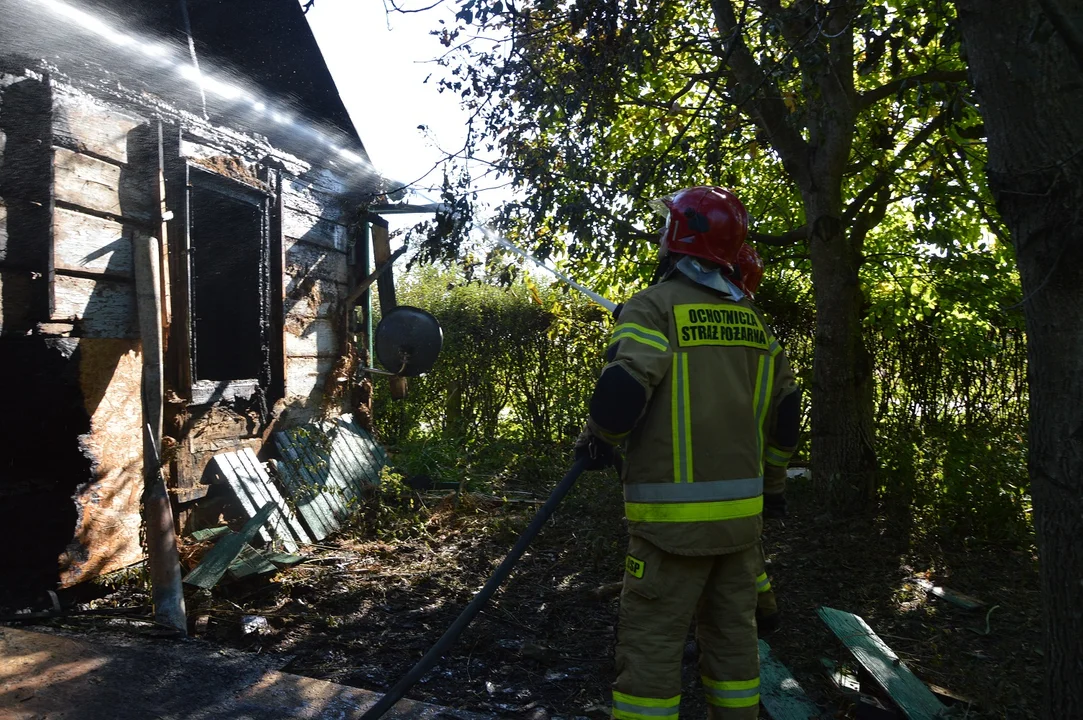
(260, 392)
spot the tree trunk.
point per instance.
(843, 455)
(1028, 83)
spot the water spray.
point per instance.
(504, 242)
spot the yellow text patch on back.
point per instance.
(719, 325)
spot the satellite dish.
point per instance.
(408, 341)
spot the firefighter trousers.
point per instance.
(766, 604)
(662, 594)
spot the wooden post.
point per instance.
(163, 558)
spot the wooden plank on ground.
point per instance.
(958, 599)
(211, 533)
(250, 562)
(890, 673)
(248, 457)
(302, 501)
(283, 559)
(215, 563)
(244, 469)
(780, 694)
(249, 504)
(867, 707)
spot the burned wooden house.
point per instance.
(182, 227)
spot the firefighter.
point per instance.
(696, 390)
(768, 618)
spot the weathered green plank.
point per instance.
(301, 500)
(283, 559)
(966, 602)
(345, 463)
(243, 482)
(248, 504)
(318, 462)
(248, 457)
(211, 533)
(309, 486)
(363, 447)
(780, 693)
(885, 667)
(248, 563)
(207, 574)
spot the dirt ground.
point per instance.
(361, 611)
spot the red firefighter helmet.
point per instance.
(706, 222)
(750, 264)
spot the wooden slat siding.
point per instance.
(248, 457)
(362, 447)
(305, 260)
(343, 492)
(95, 185)
(278, 524)
(106, 308)
(82, 124)
(313, 229)
(306, 198)
(318, 338)
(310, 486)
(889, 672)
(3, 226)
(780, 693)
(302, 501)
(249, 504)
(346, 468)
(377, 450)
(299, 301)
(249, 562)
(320, 466)
(16, 301)
(305, 377)
(360, 465)
(221, 556)
(90, 244)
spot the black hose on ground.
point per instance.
(449, 637)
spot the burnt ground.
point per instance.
(362, 610)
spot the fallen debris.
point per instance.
(216, 562)
(327, 469)
(886, 668)
(254, 489)
(781, 695)
(966, 602)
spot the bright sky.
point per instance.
(379, 61)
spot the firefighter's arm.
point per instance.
(638, 358)
(783, 425)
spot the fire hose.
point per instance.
(453, 632)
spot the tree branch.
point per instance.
(871, 97)
(884, 176)
(769, 110)
(1068, 32)
(790, 237)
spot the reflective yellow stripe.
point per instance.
(777, 457)
(681, 420)
(645, 335)
(765, 378)
(631, 707)
(611, 438)
(732, 693)
(763, 584)
(693, 511)
(774, 348)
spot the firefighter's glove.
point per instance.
(774, 506)
(598, 453)
(616, 312)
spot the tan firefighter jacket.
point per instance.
(695, 460)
